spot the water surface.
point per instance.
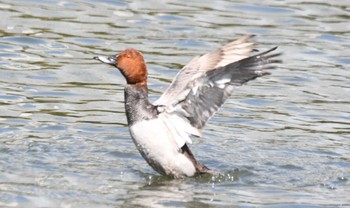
(280, 141)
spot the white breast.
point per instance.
(157, 145)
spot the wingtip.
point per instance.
(251, 35)
(268, 51)
(242, 39)
(274, 48)
(262, 73)
(247, 37)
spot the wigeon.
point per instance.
(161, 130)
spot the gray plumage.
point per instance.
(204, 84)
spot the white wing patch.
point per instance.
(179, 128)
(221, 83)
(194, 89)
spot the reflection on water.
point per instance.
(282, 140)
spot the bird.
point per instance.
(162, 130)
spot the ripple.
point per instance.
(264, 9)
(24, 40)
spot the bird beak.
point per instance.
(112, 60)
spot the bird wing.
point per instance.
(199, 65)
(206, 89)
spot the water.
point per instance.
(280, 141)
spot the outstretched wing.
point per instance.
(206, 94)
(190, 101)
(199, 65)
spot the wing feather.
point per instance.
(210, 91)
(206, 82)
(199, 65)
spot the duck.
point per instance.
(163, 130)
